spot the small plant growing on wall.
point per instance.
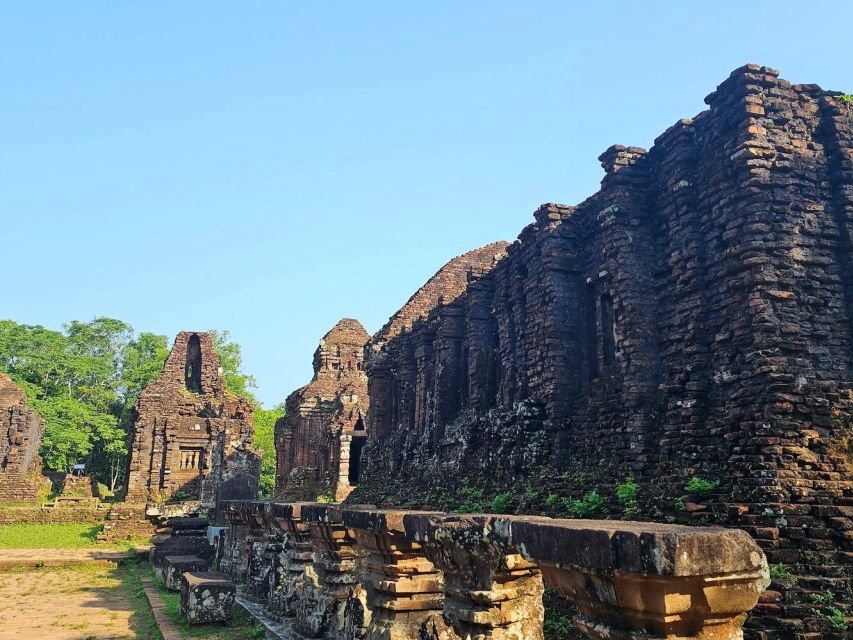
(591, 504)
(626, 494)
(779, 571)
(700, 485)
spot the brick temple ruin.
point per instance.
(319, 439)
(687, 328)
(189, 432)
(21, 429)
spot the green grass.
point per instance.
(142, 621)
(55, 536)
(241, 627)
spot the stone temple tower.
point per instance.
(319, 441)
(189, 433)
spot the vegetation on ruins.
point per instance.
(84, 381)
(779, 571)
(701, 485)
(592, 503)
(627, 493)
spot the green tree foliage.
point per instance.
(231, 361)
(83, 381)
(264, 441)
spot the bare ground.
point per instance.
(76, 603)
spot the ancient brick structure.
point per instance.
(189, 432)
(691, 320)
(20, 437)
(319, 440)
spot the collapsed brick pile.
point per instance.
(21, 429)
(189, 433)
(324, 420)
(692, 319)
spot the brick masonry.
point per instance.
(324, 420)
(692, 318)
(21, 429)
(189, 432)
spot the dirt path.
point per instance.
(75, 603)
(37, 558)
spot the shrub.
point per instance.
(627, 492)
(779, 571)
(501, 503)
(700, 485)
(591, 504)
(472, 500)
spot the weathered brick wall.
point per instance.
(314, 437)
(693, 317)
(21, 429)
(189, 433)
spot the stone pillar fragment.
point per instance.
(262, 548)
(289, 564)
(491, 591)
(644, 581)
(330, 578)
(404, 588)
(234, 561)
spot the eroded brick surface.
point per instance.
(189, 432)
(324, 420)
(21, 429)
(692, 318)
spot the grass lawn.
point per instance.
(55, 536)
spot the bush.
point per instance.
(501, 503)
(471, 499)
(779, 571)
(591, 504)
(700, 485)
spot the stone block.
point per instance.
(207, 597)
(174, 567)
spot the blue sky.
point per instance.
(271, 167)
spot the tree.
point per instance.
(231, 361)
(83, 381)
(264, 442)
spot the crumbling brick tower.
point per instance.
(692, 320)
(189, 432)
(319, 440)
(21, 429)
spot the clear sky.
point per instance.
(271, 167)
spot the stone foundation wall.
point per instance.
(329, 571)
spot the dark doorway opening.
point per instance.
(355, 448)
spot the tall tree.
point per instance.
(83, 381)
(231, 361)
(264, 442)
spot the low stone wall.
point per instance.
(335, 571)
(41, 515)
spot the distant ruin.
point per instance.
(21, 429)
(189, 433)
(685, 331)
(319, 439)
